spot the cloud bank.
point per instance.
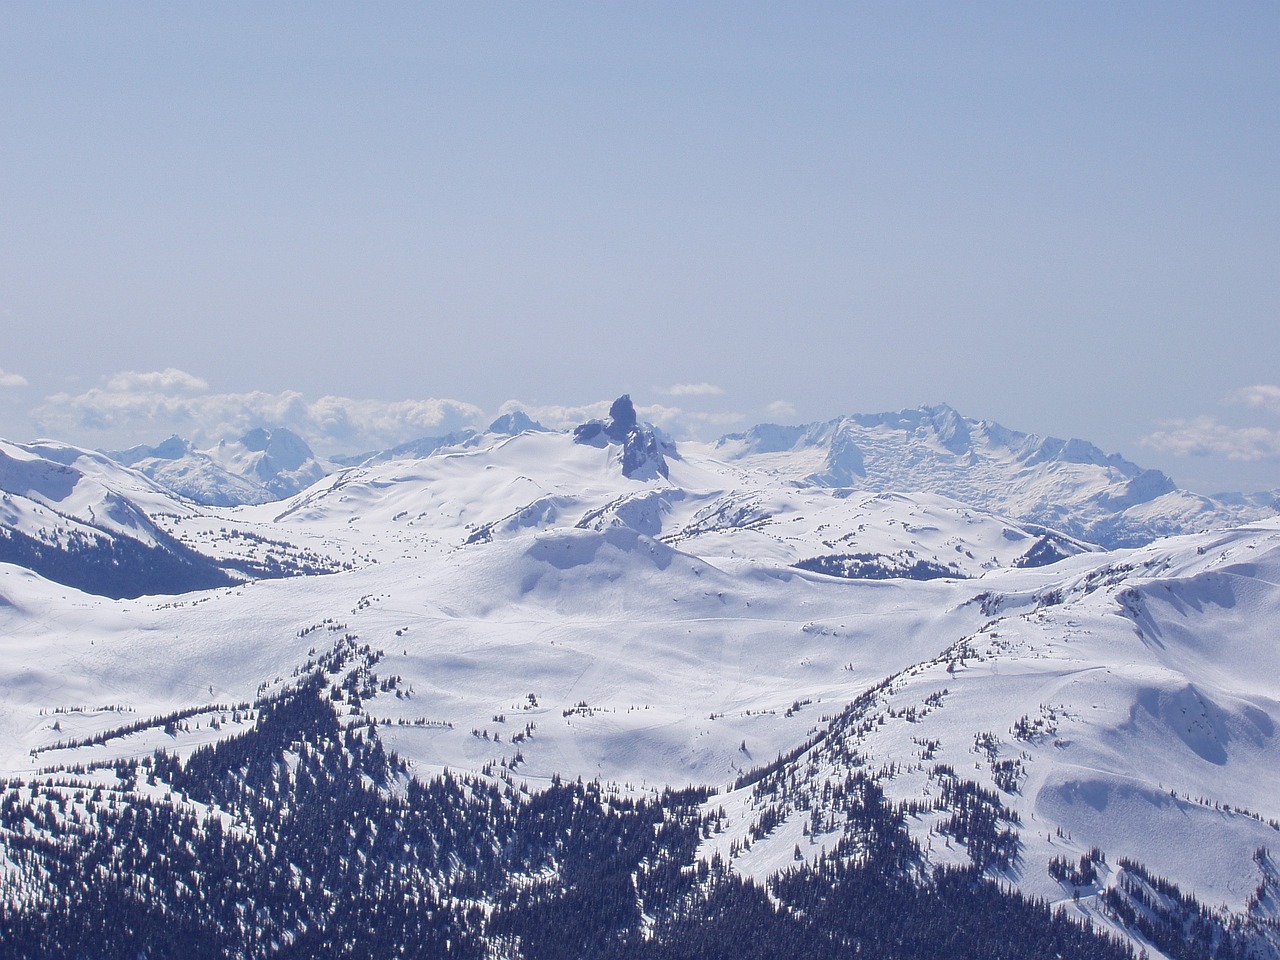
(1208, 436)
(8, 379)
(133, 407)
(1263, 396)
(137, 407)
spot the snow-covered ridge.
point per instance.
(1069, 485)
(261, 466)
(82, 519)
(1066, 485)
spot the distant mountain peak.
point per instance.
(171, 449)
(1070, 485)
(641, 455)
(514, 423)
(622, 415)
(284, 449)
(267, 463)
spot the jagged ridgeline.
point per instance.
(304, 837)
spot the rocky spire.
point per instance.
(641, 450)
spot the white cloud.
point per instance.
(687, 423)
(145, 407)
(168, 381)
(11, 379)
(693, 390)
(1263, 396)
(559, 416)
(1206, 436)
(780, 410)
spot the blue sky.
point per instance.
(377, 222)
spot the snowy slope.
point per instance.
(1115, 701)
(507, 425)
(80, 519)
(85, 486)
(1132, 706)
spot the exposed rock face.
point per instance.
(622, 417)
(641, 455)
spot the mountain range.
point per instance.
(262, 465)
(1066, 485)
(901, 685)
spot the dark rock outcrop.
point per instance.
(641, 455)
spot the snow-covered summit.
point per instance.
(514, 423)
(263, 465)
(1070, 485)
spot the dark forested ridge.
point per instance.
(121, 567)
(112, 566)
(304, 837)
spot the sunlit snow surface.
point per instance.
(545, 612)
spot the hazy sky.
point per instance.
(381, 221)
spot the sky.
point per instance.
(377, 222)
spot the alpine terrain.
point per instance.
(903, 685)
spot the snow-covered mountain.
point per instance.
(589, 694)
(640, 452)
(509, 486)
(1068, 485)
(77, 517)
(507, 425)
(82, 519)
(261, 466)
